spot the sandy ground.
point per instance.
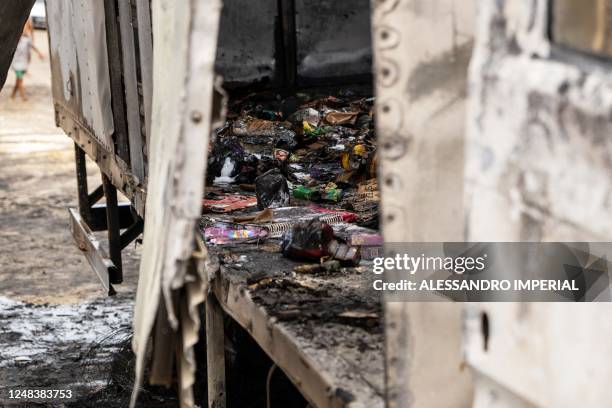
(55, 319)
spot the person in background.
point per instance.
(28, 29)
(21, 60)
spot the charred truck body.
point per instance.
(230, 124)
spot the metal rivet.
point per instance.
(394, 147)
(393, 182)
(389, 38)
(196, 116)
(388, 72)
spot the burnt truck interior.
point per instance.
(291, 196)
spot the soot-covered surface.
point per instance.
(305, 159)
(335, 318)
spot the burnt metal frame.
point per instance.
(111, 217)
(121, 165)
(309, 378)
(229, 298)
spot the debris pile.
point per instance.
(295, 151)
(292, 193)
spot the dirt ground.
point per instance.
(57, 327)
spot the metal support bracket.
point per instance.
(87, 242)
(111, 216)
(114, 234)
(215, 353)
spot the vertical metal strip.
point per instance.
(287, 18)
(420, 130)
(145, 46)
(130, 82)
(114, 236)
(113, 47)
(81, 176)
(185, 44)
(215, 353)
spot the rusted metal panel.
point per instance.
(79, 64)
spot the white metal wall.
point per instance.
(538, 168)
(422, 50)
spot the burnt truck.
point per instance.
(491, 119)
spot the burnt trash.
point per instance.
(324, 267)
(364, 122)
(314, 240)
(225, 232)
(284, 146)
(228, 162)
(225, 203)
(286, 142)
(266, 164)
(341, 118)
(305, 193)
(248, 170)
(365, 201)
(266, 215)
(306, 115)
(324, 193)
(346, 254)
(223, 159)
(299, 150)
(255, 127)
(307, 240)
(370, 245)
(272, 190)
(359, 163)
